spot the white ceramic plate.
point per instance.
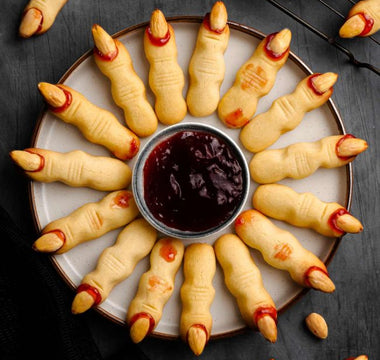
(52, 201)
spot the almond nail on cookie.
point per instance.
(88, 222)
(207, 66)
(283, 251)
(197, 294)
(155, 288)
(166, 78)
(243, 279)
(287, 112)
(300, 160)
(128, 90)
(97, 125)
(363, 19)
(304, 210)
(114, 265)
(76, 168)
(254, 79)
(39, 16)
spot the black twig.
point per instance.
(332, 9)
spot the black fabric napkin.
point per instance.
(35, 316)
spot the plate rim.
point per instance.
(189, 19)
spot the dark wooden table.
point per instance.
(352, 311)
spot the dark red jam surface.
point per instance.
(192, 181)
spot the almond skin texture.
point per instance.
(317, 325)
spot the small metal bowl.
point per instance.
(138, 180)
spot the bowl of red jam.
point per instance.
(190, 180)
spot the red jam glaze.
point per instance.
(59, 233)
(91, 290)
(350, 358)
(143, 315)
(122, 200)
(239, 221)
(41, 22)
(42, 160)
(263, 311)
(268, 51)
(245, 217)
(206, 24)
(235, 119)
(332, 220)
(311, 84)
(134, 148)
(159, 284)
(253, 77)
(106, 57)
(283, 251)
(344, 158)
(67, 103)
(368, 24)
(309, 270)
(199, 326)
(157, 41)
(168, 252)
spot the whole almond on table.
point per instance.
(317, 325)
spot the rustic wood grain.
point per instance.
(352, 311)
